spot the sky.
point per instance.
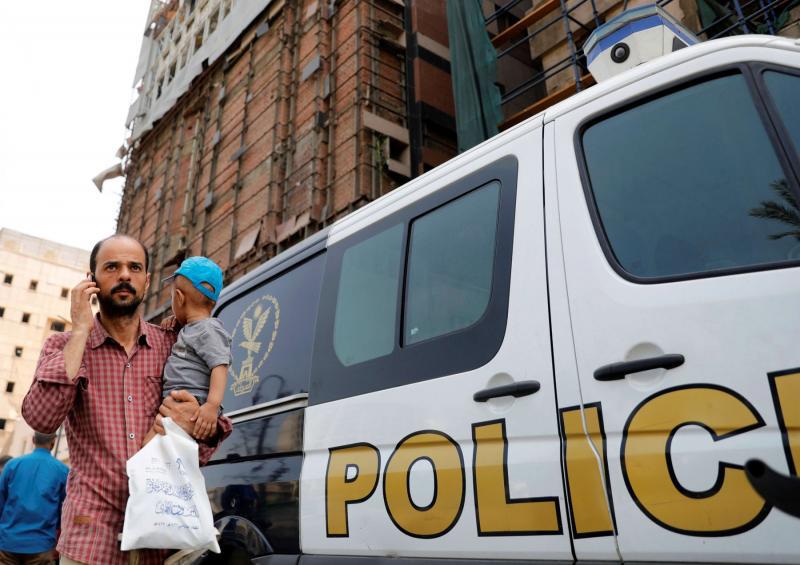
(67, 84)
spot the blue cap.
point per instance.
(200, 270)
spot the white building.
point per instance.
(36, 277)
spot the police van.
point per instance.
(578, 341)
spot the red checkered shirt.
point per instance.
(109, 408)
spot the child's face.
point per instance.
(178, 305)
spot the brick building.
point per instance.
(259, 122)
(305, 111)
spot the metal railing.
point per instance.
(517, 25)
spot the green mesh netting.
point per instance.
(473, 72)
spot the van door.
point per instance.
(432, 427)
(681, 257)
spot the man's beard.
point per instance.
(114, 309)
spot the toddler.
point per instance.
(201, 355)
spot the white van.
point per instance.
(562, 345)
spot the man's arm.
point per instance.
(60, 367)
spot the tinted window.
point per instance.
(366, 308)
(420, 294)
(272, 327)
(450, 262)
(689, 182)
(785, 92)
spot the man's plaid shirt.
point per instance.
(109, 408)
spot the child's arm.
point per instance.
(205, 418)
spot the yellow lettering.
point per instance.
(351, 477)
(731, 505)
(590, 509)
(441, 514)
(786, 396)
(497, 513)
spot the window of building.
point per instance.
(33, 285)
(2, 423)
(64, 292)
(713, 212)
(7, 278)
(10, 386)
(57, 326)
(18, 351)
(26, 317)
(2, 311)
(212, 22)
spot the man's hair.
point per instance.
(99, 244)
(43, 439)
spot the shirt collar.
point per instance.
(99, 334)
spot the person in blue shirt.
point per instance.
(32, 489)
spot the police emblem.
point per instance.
(255, 332)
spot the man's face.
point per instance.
(121, 277)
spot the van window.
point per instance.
(785, 92)
(367, 303)
(450, 262)
(421, 293)
(272, 330)
(687, 183)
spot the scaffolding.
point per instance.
(538, 43)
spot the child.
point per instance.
(201, 355)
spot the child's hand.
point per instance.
(205, 421)
(169, 323)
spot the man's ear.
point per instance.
(146, 283)
(179, 296)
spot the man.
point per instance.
(31, 493)
(104, 377)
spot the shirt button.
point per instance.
(131, 436)
(130, 398)
(127, 365)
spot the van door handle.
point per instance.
(616, 371)
(782, 491)
(522, 388)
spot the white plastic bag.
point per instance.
(168, 506)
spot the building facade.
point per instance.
(255, 128)
(260, 122)
(36, 277)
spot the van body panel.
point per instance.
(382, 422)
(678, 438)
(352, 446)
(599, 543)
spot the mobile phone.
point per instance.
(91, 277)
